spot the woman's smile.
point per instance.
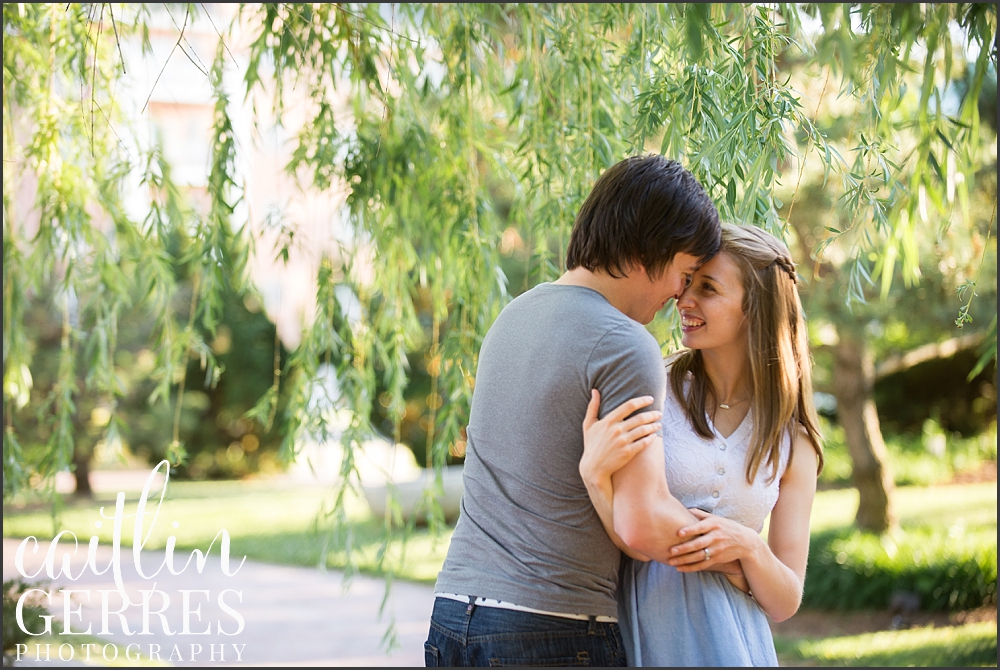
(690, 323)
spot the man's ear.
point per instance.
(637, 270)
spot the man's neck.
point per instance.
(614, 290)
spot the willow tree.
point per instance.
(474, 129)
(919, 176)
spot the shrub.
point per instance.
(849, 569)
(32, 613)
(912, 464)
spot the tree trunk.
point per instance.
(81, 469)
(853, 381)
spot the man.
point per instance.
(531, 574)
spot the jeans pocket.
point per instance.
(432, 658)
(582, 659)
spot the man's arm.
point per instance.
(608, 444)
(646, 515)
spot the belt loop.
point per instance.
(472, 605)
(592, 625)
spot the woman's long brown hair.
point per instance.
(777, 348)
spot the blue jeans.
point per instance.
(466, 635)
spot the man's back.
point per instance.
(528, 533)
(529, 537)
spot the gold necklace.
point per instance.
(723, 405)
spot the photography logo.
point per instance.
(161, 613)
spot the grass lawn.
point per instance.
(266, 521)
(83, 650)
(273, 522)
(972, 506)
(973, 644)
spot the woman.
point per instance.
(741, 441)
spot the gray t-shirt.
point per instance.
(528, 533)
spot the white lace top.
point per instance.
(711, 473)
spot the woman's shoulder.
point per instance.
(804, 440)
(799, 452)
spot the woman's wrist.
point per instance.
(595, 480)
(758, 549)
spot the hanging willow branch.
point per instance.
(470, 137)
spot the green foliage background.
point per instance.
(850, 570)
(475, 132)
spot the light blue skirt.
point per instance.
(698, 619)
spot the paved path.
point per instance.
(291, 616)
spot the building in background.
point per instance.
(166, 99)
(168, 92)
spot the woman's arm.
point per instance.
(608, 445)
(775, 570)
(611, 444)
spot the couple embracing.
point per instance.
(613, 500)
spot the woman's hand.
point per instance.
(716, 544)
(610, 443)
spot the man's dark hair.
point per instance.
(644, 209)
